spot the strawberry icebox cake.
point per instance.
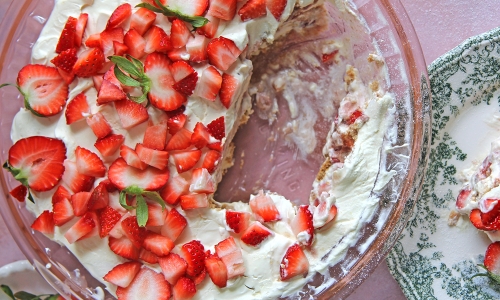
(129, 113)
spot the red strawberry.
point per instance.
(211, 160)
(222, 9)
(119, 16)
(108, 38)
(146, 285)
(180, 140)
(65, 60)
(108, 146)
(119, 49)
(493, 215)
(200, 136)
(44, 90)
(475, 219)
(231, 256)
(179, 34)
(174, 225)
(44, 223)
(223, 52)
(217, 128)
(255, 234)
(19, 193)
(81, 24)
(252, 9)
(237, 221)
(77, 109)
(108, 217)
(132, 230)
(191, 8)
(110, 92)
(68, 77)
(185, 160)
(75, 181)
(197, 48)
(80, 228)
(135, 43)
(63, 211)
(162, 95)
(123, 175)
(181, 70)
(148, 256)
(264, 208)
(175, 187)
(157, 40)
(227, 90)
(100, 197)
(80, 201)
(131, 113)
(185, 288)
(156, 215)
(294, 263)
(173, 267)
(60, 194)
(131, 157)
(109, 186)
(93, 41)
(491, 258)
(217, 146)
(194, 254)
(123, 247)
(99, 125)
(276, 7)
(216, 270)
(142, 19)
(37, 162)
(199, 279)
(209, 84)
(202, 182)
(123, 274)
(187, 85)
(158, 244)
(154, 158)
(155, 136)
(178, 54)
(462, 198)
(111, 77)
(88, 163)
(97, 80)
(193, 201)
(67, 38)
(176, 122)
(210, 29)
(354, 116)
(302, 226)
(89, 63)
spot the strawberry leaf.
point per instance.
(495, 278)
(124, 79)
(195, 21)
(141, 211)
(123, 201)
(7, 291)
(26, 296)
(135, 77)
(155, 196)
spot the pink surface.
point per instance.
(440, 26)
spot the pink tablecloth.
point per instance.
(440, 26)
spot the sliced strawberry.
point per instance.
(180, 70)
(255, 234)
(79, 201)
(217, 128)
(123, 247)
(185, 160)
(209, 84)
(81, 24)
(80, 228)
(68, 77)
(37, 162)
(99, 125)
(252, 9)
(187, 85)
(108, 218)
(202, 182)
(180, 140)
(475, 219)
(95, 230)
(462, 198)
(111, 188)
(217, 270)
(156, 215)
(210, 29)
(200, 136)
(109, 37)
(89, 63)
(88, 163)
(100, 197)
(175, 187)
(131, 113)
(179, 34)
(237, 221)
(110, 144)
(142, 20)
(123, 274)
(63, 211)
(75, 181)
(119, 16)
(132, 230)
(147, 285)
(227, 90)
(197, 48)
(157, 40)
(154, 158)
(77, 109)
(178, 54)
(190, 8)
(135, 43)
(93, 41)
(67, 38)
(148, 256)
(176, 122)
(193, 201)
(123, 175)
(155, 136)
(223, 52)
(111, 77)
(65, 60)
(276, 7)
(491, 258)
(158, 244)
(110, 92)
(60, 194)
(19, 193)
(44, 223)
(185, 288)
(119, 49)
(174, 225)
(264, 208)
(194, 254)
(131, 157)
(302, 226)
(162, 95)
(97, 80)
(491, 216)
(199, 279)
(173, 267)
(222, 9)
(211, 160)
(44, 90)
(217, 146)
(230, 254)
(294, 263)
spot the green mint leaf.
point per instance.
(52, 297)
(126, 65)
(26, 296)
(150, 7)
(30, 197)
(137, 63)
(7, 291)
(124, 79)
(123, 201)
(139, 99)
(155, 196)
(5, 84)
(142, 211)
(133, 190)
(195, 21)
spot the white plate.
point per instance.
(21, 276)
(433, 260)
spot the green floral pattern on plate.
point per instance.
(432, 260)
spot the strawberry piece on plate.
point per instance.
(237, 221)
(65, 60)
(184, 288)
(175, 187)
(179, 34)
(302, 226)
(123, 247)
(216, 270)
(155, 136)
(177, 120)
(492, 258)
(462, 198)
(185, 160)
(60, 194)
(122, 176)
(123, 274)
(294, 263)
(157, 41)
(100, 197)
(173, 267)
(209, 84)
(119, 49)
(108, 217)
(93, 41)
(174, 225)
(200, 136)
(142, 20)
(132, 230)
(194, 254)
(97, 80)
(211, 160)
(193, 201)
(37, 162)
(110, 92)
(156, 215)
(217, 128)
(180, 140)
(44, 90)
(99, 125)
(222, 9)
(108, 38)
(186, 85)
(88, 163)
(181, 70)
(108, 145)
(252, 9)
(44, 223)
(197, 48)
(276, 7)
(63, 211)
(147, 285)
(89, 63)
(19, 193)
(154, 158)
(255, 234)
(74, 180)
(202, 182)
(135, 43)
(264, 208)
(222, 52)
(476, 220)
(131, 157)
(210, 29)
(493, 215)
(227, 90)
(148, 256)
(119, 16)
(80, 229)
(131, 113)
(77, 109)
(67, 39)
(81, 24)
(80, 201)
(190, 7)
(230, 253)
(158, 244)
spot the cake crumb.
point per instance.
(376, 59)
(324, 167)
(242, 161)
(453, 218)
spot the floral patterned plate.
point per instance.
(432, 260)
